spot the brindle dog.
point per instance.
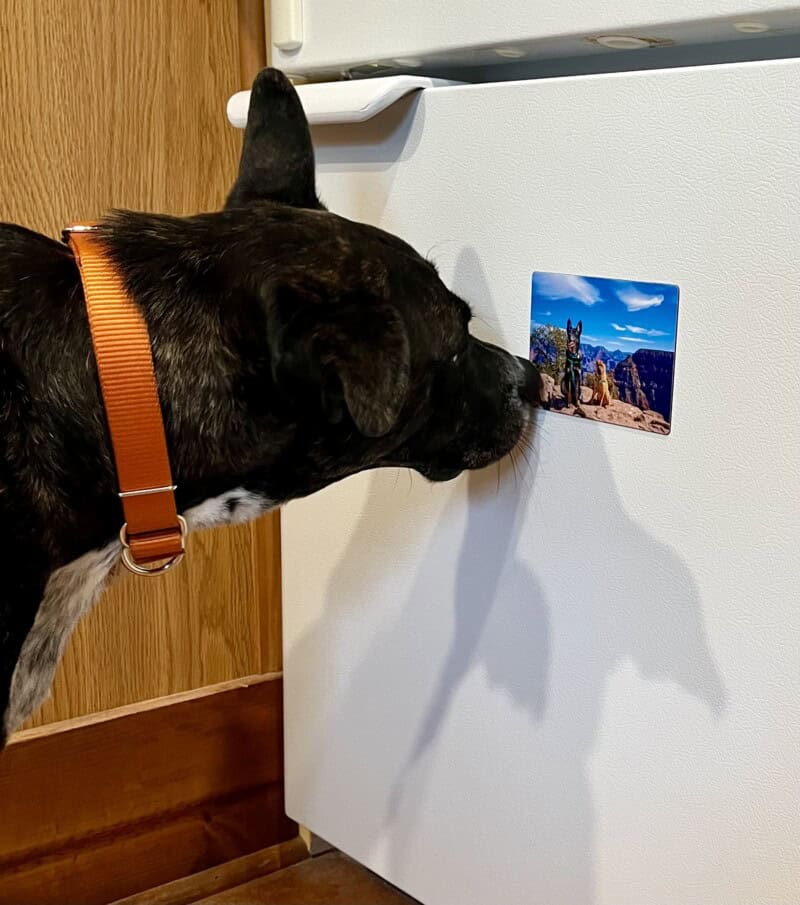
(571, 382)
(292, 348)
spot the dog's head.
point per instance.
(370, 353)
(574, 336)
(600, 367)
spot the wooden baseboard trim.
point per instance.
(223, 877)
(127, 710)
(102, 808)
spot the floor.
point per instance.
(330, 879)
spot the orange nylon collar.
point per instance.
(153, 531)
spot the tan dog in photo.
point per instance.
(601, 394)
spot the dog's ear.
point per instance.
(367, 346)
(277, 162)
(353, 351)
(569, 325)
(579, 328)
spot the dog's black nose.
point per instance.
(529, 382)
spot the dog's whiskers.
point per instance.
(491, 324)
(525, 450)
(437, 245)
(513, 458)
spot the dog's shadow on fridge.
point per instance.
(547, 646)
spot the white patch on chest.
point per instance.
(73, 590)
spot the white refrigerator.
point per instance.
(573, 679)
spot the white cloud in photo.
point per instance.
(643, 331)
(618, 328)
(634, 300)
(634, 339)
(566, 286)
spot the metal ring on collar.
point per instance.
(159, 568)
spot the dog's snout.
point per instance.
(529, 382)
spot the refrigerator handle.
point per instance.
(326, 103)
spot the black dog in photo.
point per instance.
(571, 382)
(292, 348)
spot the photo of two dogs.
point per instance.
(614, 359)
(571, 382)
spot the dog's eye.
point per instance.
(458, 358)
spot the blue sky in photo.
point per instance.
(618, 314)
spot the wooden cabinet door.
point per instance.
(121, 103)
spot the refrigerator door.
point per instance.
(573, 680)
(334, 35)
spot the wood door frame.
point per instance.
(105, 806)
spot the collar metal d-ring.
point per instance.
(158, 568)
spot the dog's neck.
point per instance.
(202, 319)
(223, 425)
